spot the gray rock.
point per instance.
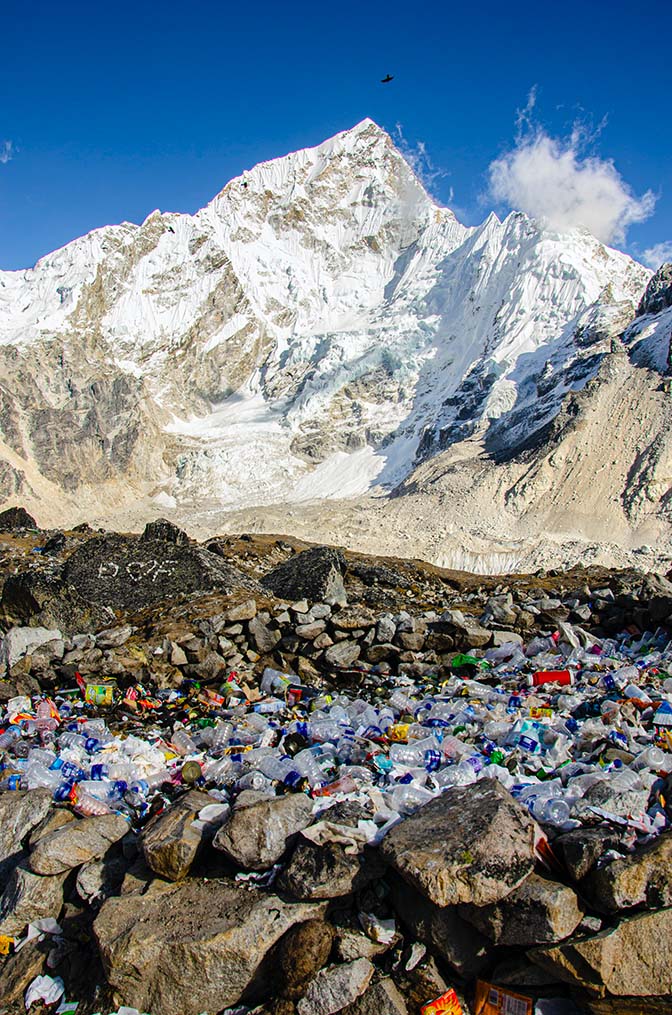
(181, 949)
(381, 998)
(99, 879)
(471, 844)
(581, 848)
(169, 843)
(315, 574)
(385, 629)
(29, 897)
(336, 987)
(466, 630)
(77, 843)
(500, 638)
(539, 911)
(114, 637)
(442, 929)
(255, 837)
(321, 872)
(352, 944)
(264, 638)
(56, 818)
(311, 631)
(20, 813)
(21, 641)
(343, 653)
(632, 959)
(20, 969)
(643, 878)
(353, 618)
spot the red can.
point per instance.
(551, 677)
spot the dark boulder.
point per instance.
(315, 575)
(126, 572)
(15, 518)
(165, 531)
(37, 599)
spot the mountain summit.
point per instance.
(322, 329)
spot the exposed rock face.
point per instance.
(164, 531)
(256, 837)
(443, 930)
(658, 293)
(315, 575)
(20, 641)
(127, 572)
(335, 987)
(471, 844)
(183, 949)
(45, 600)
(29, 897)
(321, 872)
(381, 998)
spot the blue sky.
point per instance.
(108, 111)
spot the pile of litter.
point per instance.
(574, 729)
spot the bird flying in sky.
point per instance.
(388, 77)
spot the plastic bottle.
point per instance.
(89, 806)
(307, 764)
(182, 743)
(280, 770)
(75, 740)
(9, 737)
(37, 776)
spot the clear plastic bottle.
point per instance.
(75, 740)
(9, 737)
(89, 806)
(307, 764)
(222, 733)
(37, 776)
(182, 743)
(280, 770)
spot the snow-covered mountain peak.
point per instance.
(320, 327)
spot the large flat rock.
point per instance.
(632, 959)
(472, 844)
(77, 843)
(181, 949)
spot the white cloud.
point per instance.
(419, 160)
(6, 151)
(552, 180)
(659, 253)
